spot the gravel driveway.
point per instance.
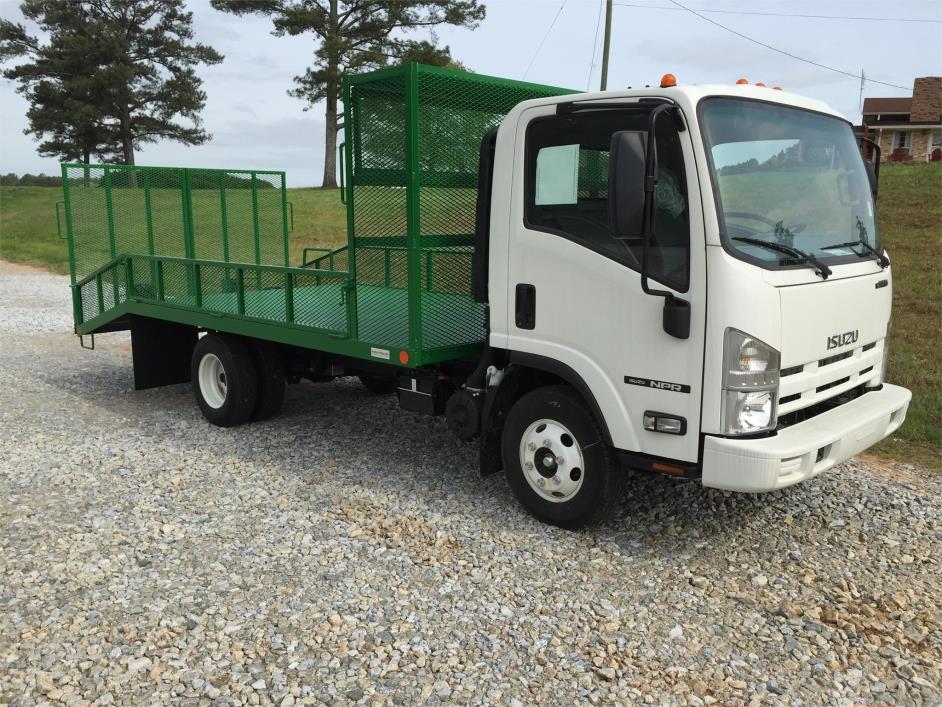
(348, 551)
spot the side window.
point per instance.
(567, 190)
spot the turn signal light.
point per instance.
(668, 81)
(741, 81)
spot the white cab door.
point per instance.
(589, 312)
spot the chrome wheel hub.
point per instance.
(551, 460)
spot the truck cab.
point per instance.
(701, 265)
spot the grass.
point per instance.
(910, 215)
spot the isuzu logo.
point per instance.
(838, 340)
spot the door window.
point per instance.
(567, 190)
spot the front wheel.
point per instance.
(556, 460)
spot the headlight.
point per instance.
(750, 383)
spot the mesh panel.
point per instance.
(114, 210)
(447, 113)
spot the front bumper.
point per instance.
(805, 449)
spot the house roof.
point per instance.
(887, 105)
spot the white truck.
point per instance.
(686, 280)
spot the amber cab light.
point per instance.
(759, 83)
(668, 81)
(776, 88)
(739, 82)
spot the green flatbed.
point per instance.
(209, 248)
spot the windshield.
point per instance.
(788, 177)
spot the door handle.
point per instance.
(525, 306)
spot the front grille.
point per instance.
(834, 359)
(809, 384)
(807, 413)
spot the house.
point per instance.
(907, 129)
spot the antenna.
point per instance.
(863, 79)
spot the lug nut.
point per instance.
(541, 482)
(529, 466)
(531, 447)
(547, 443)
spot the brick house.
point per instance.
(907, 129)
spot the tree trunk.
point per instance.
(127, 143)
(86, 156)
(333, 90)
(330, 142)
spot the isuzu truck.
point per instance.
(682, 279)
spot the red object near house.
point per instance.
(899, 155)
(936, 155)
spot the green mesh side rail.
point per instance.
(222, 215)
(414, 134)
(315, 299)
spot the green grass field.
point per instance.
(910, 215)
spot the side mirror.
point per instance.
(626, 160)
(872, 176)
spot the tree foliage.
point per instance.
(354, 36)
(110, 75)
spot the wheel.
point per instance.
(270, 379)
(381, 385)
(224, 379)
(556, 460)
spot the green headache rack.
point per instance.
(210, 247)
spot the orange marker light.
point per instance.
(759, 83)
(403, 357)
(668, 81)
(741, 81)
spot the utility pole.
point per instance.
(605, 46)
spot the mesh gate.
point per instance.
(415, 134)
(236, 216)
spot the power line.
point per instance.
(782, 51)
(782, 14)
(595, 41)
(542, 41)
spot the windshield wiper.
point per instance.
(862, 242)
(868, 250)
(820, 268)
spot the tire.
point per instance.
(224, 379)
(380, 385)
(270, 379)
(582, 488)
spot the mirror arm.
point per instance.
(650, 184)
(676, 320)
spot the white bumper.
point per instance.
(770, 463)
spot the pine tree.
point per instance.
(113, 74)
(356, 35)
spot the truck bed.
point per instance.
(313, 308)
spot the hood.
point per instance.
(832, 316)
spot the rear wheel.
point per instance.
(224, 379)
(270, 379)
(556, 460)
(381, 385)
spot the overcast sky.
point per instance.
(255, 124)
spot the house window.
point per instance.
(903, 139)
(936, 139)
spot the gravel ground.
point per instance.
(349, 552)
